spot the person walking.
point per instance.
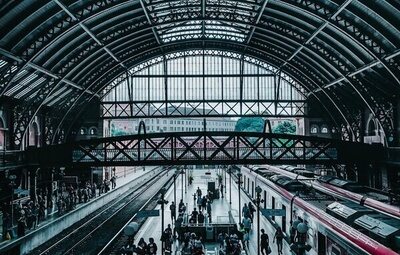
(172, 207)
(209, 211)
(265, 249)
(247, 224)
(252, 209)
(279, 238)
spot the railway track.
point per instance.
(113, 247)
(90, 236)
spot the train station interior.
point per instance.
(204, 127)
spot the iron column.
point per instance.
(239, 189)
(162, 202)
(12, 184)
(258, 200)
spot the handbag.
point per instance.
(268, 250)
(8, 236)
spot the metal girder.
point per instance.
(205, 147)
(193, 108)
(150, 22)
(341, 30)
(256, 21)
(264, 53)
(41, 70)
(87, 30)
(360, 70)
(324, 24)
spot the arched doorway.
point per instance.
(3, 134)
(33, 135)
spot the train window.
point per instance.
(248, 185)
(335, 250)
(265, 199)
(284, 220)
(252, 189)
(321, 244)
(273, 207)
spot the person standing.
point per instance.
(198, 192)
(114, 182)
(200, 218)
(152, 247)
(209, 211)
(245, 211)
(222, 190)
(199, 202)
(141, 247)
(279, 238)
(172, 207)
(264, 243)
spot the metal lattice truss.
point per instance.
(203, 83)
(206, 148)
(63, 54)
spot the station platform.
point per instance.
(55, 223)
(222, 210)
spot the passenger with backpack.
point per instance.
(151, 247)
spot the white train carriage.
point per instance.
(327, 234)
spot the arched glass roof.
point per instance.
(63, 53)
(222, 83)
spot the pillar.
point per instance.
(33, 183)
(396, 123)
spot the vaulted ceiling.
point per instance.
(62, 53)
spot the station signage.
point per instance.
(273, 212)
(148, 213)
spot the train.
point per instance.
(327, 234)
(339, 187)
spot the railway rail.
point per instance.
(90, 236)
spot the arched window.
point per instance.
(82, 131)
(314, 129)
(93, 131)
(324, 129)
(33, 135)
(2, 134)
(201, 76)
(371, 127)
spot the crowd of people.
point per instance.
(29, 214)
(69, 196)
(232, 243)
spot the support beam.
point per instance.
(344, 32)
(359, 70)
(260, 13)
(150, 22)
(326, 22)
(90, 33)
(44, 71)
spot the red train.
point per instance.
(327, 234)
(339, 187)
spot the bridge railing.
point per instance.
(225, 147)
(10, 158)
(206, 148)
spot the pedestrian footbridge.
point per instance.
(195, 148)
